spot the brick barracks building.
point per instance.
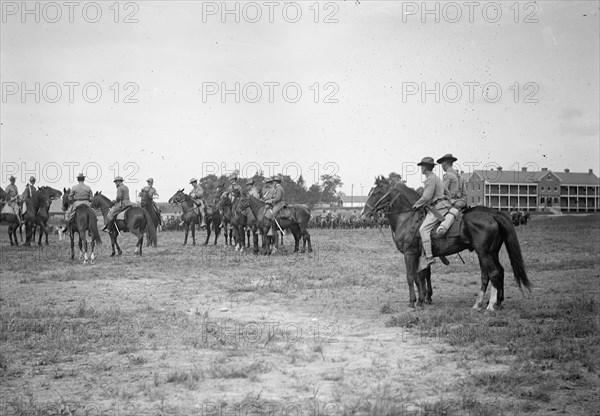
(545, 190)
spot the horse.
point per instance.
(11, 219)
(242, 228)
(85, 220)
(38, 205)
(190, 216)
(225, 206)
(137, 220)
(297, 222)
(213, 218)
(147, 203)
(482, 229)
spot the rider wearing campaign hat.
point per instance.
(454, 191)
(151, 191)
(80, 194)
(14, 197)
(197, 194)
(435, 201)
(121, 203)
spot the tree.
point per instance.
(330, 185)
(301, 181)
(294, 193)
(313, 195)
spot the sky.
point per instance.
(181, 89)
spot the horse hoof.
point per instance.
(429, 301)
(112, 254)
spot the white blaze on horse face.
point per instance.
(493, 299)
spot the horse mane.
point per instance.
(103, 197)
(411, 195)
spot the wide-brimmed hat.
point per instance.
(250, 182)
(447, 157)
(80, 176)
(269, 180)
(193, 180)
(32, 179)
(118, 179)
(277, 178)
(235, 175)
(150, 180)
(426, 161)
(12, 178)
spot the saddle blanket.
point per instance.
(7, 209)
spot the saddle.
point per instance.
(121, 215)
(5, 208)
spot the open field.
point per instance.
(205, 330)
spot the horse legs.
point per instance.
(186, 229)
(193, 226)
(412, 278)
(425, 277)
(72, 236)
(140, 242)
(484, 284)
(208, 223)
(80, 244)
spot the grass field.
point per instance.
(205, 330)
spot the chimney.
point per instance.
(567, 170)
(544, 169)
(524, 169)
(591, 171)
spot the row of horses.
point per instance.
(240, 230)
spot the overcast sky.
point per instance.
(365, 64)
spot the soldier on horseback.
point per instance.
(235, 189)
(29, 189)
(14, 198)
(453, 185)
(80, 194)
(275, 202)
(434, 200)
(251, 190)
(152, 194)
(121, 203)
(197, 193)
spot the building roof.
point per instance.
(347, 199)
(531, 177)
(577, 178)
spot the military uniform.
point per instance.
(121, 202)
(434, 198)
(453, 192)
(80, 194)
(149, 189)
(197, 193)
(252, 191)
(276, 199)
(14, 198)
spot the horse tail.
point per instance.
(93, 226)
(151, 229)
(514, 249)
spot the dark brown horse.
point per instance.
(137, 221)
(147, 203)
(85, 220)
(10, 218)
(225, 207)
(191, 218)
(38, 205)
(482, 229)
(297, 223)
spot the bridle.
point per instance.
(388, 204)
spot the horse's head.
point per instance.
(145, 197)
(3, 194)
(178, 198)
(387, 193)
(65, 199)
(52, 193)
(100, 201)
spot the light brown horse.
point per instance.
(482, 229)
